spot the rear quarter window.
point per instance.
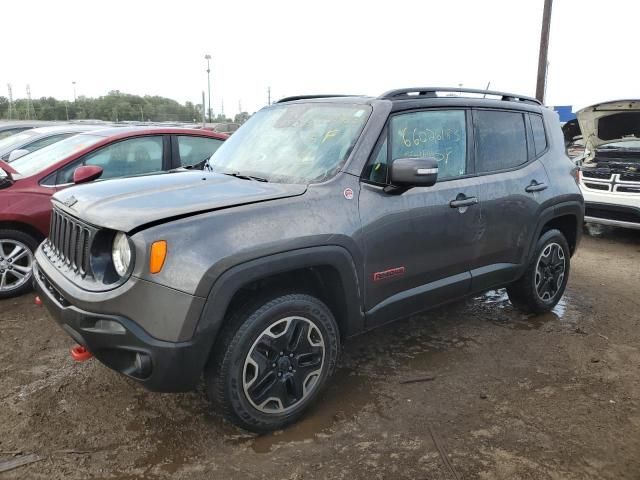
(539, 136)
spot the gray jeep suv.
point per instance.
(320, 218)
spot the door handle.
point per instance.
(535, 187)
(463, 202)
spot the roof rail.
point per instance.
(308, 97)
(403, 93)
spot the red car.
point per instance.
(28, 182)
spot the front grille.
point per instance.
(601, 174)
(630, 177)
(70, 241)
(628, 189)
(597, 186)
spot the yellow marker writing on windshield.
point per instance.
(329, 134)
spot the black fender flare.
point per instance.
(571, 207)
(229, 282)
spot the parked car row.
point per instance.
(320, 218)
(15, 146)
(27, 183)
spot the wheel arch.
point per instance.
(22, 227)
(566, 217)
(327, 272)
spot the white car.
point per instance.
(610, 173)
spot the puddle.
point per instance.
(332, 407)
(494, 297)
(505, 315)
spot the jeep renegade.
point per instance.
(320, 218)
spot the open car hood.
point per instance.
(608, 122)
(130, 203)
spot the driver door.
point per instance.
(418, 248)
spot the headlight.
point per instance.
(121, 253)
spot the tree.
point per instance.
(116, 105)
(241, 117)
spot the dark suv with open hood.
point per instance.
(321, 217)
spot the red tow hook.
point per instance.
(38, 301)
(80, 354)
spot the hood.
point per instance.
(129, 203)
(608, 122)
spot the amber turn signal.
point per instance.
(157, 256)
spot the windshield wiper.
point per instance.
(245, 177)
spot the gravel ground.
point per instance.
(495, 395)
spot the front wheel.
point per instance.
(16, 261)
(272, 361)
(544, 281)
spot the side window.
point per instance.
(439, 134)
(135, 156)
(539, 137)
(501, 140)
(43, 142)
(195, 150)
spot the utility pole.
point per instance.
(207, 57)
(544, 49)
(268, 95)
(74, 91)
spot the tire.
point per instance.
(257, 371)
(545, 279)
(16, 258)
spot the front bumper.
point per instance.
(611, 208)
(122, 345)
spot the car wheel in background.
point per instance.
(16, 260)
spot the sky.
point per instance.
(305, 47)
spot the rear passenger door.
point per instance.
(512, 186)
(191, 151)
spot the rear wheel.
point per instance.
(16, 261)
(274, 358)
(544, 281)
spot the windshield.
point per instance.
(16, 139)
(628, 144)
(297, 143)
(42, 159)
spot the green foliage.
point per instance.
(115, 106)
(241, 117)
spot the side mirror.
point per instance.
(414, 172)
(86, 173)
(15, 154)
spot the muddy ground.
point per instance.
(550, 397)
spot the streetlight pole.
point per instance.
(207, 57)
(74, 90)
